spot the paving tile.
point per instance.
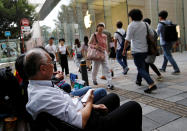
(179, 87)
(148, 124)
(183, 102)
(177, 125)
(175, 98)
(183, 94)
(148, 109)
(161, 116)
(165, 93)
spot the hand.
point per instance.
(90, 97)
(124, 52)
(59, 76)
(100, 106)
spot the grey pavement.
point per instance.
(163, 110)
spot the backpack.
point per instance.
(10, 93)
(123, 41)
(170, 32)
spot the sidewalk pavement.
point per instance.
(163, 110)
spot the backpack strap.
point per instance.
(120, 36)
(96, 38)
(162, 23)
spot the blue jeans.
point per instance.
(139, 60)
(98, 93)
(168, 57)
(122, 60)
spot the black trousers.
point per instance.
(154, 68)
(127, 117)
(55, 67)
(64, 63)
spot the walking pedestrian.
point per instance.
(166, 46)
(84, 51)
(52, 49)
(151, 58)
(119, 39)
(63, 54)
(78, 53)
(99, 41)
(136, 33)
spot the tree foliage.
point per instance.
(11, 13)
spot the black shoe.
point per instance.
(175, 73)
(149, 90)
(111, 87)
(162, 70)
(138, 83)
(95, 83)
(112, 73)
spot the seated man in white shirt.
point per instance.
(45, 97)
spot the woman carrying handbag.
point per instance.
(97, 52)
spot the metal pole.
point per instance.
(127, 10)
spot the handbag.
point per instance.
(95, 53)
(152, 48)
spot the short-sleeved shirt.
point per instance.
(136, 34)
(118, 37)
(160, 31)
(43, 96)
(62, 49)
(51, 49)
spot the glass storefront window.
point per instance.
(81, 16)
(9, 50)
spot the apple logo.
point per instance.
(87, 20)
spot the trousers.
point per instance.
(127, 117)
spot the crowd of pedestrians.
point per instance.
(115, 47)
(45, 90)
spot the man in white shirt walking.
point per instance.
(52, 49)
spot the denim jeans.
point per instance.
(139, 60)
(98, 93)
(168, 57)
(122, 60)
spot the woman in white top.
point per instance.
(63, 52)
(78, 53)
(85, 50)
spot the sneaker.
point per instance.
(162, 70)
(103, 77)
(125, 71)
(138, 83)
(149, 90)
(111, 87)
(175, 73)
(159, 78)
(95, 83)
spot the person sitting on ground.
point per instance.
(44, 96)
(57, 79)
